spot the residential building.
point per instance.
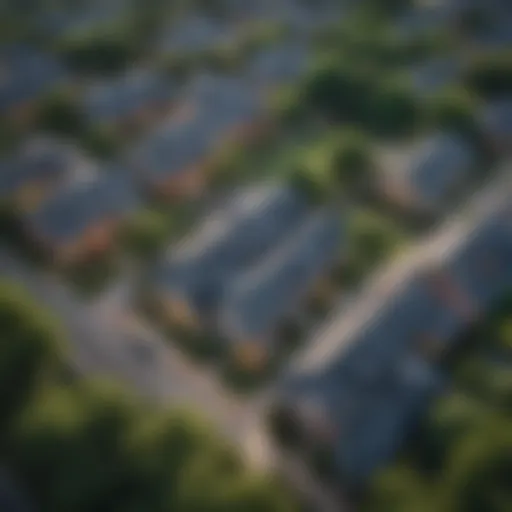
(431, 77)
(482, 265)
(275, 287)
(362, 403)
(496, 123)
(196, 34)
(81, 221)
(362, 398)
(278, 66)
(12, 498)
(26, 74)
(39, 168)
(175, 160)
(190, 281)
(134, 100)
(426, 177)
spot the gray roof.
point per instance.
(440, 164)
(11, 497)
(42, 158)
(279, 65)
(257, 299)
(497, 118)
(73, 209)
(217, 106)
(195, 34)
(25, 74)
(482, 264)
(252, 222)
(120, 97)
(436, 74)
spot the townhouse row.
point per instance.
(249, 267)
(360, 400)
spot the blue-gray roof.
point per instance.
(195, 34)
(257, 299)
(442, 163)
(25, 74)
(73, 209)
(12, 499)
(252, 222)
(121, 97)
(436, 74)
(497, 118)
(482, 265)
(40, 159)
(216, 107)
(279, 65)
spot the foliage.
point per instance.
(490, 75)
(146, 233)
(352, 158)
(454, 109)
(60, 114)
(88, 446)
(99, 53)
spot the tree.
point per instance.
(490, 75)
(479, 470)
(454, 110)
(147, 232)
(29, 351)
(88, 446)
(393, 109)
(340, 91)
(60, 114)
(99, 53)
(100, 141)
(372, 238)
(352, 158)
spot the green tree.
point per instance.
(454, 109)
(490, 75)
(60, 114)
(146, 232)
(29, 351)
(393, 109)
(352, 158)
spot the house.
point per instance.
(196, 35)
(81, 221)
(275, 287)
(431, 77)
(234, 106)
(496, 124)
(363, 400)
(191, 279)
(482, 264)
(136, 99)
(38, 169)
(12, 498)
(26, 74)
(278, 66)
(174, 161)
(425, 178)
